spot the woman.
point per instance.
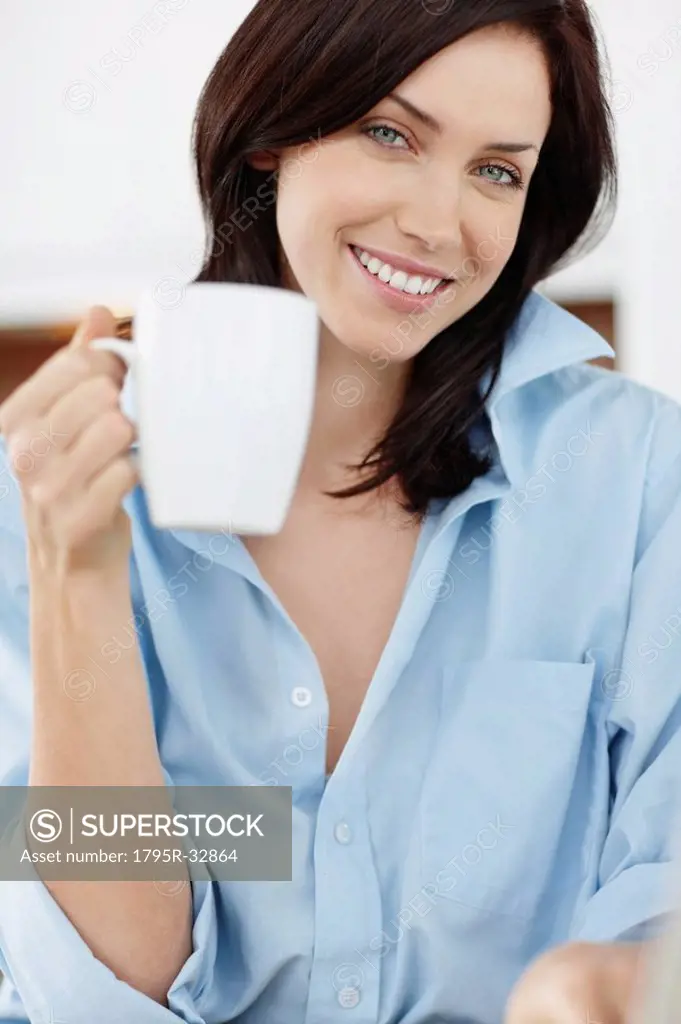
(452, 651)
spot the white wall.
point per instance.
(647, 50)
(97, 197)
(640, 256)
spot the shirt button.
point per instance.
(301, 696)
(348, 997)
(343, 832)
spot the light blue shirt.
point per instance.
(512, 777)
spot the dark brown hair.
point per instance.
(297, 70)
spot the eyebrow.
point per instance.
(430, 122)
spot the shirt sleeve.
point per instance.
(639, 871)
(49, 968)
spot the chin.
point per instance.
(355, 334)
(382, 349)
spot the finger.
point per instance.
(24, 449)
(102, 502)
(72, 414)
(114, 482)
(98, 322)
(106, 439)
(34, 398)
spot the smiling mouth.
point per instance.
(401, 282)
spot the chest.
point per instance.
(341, 581)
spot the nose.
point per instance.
(432, 215)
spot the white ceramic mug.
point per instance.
(221, 387)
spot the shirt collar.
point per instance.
(543, 338)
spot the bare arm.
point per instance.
(79, 543)
(108, 739)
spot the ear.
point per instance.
(265, 160)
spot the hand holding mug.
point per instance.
(68, 446)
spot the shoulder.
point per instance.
(630, 478)
(634, 426)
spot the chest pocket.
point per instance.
(505, 765)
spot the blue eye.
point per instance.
(514, 179)
(369, 129)
(514, 182)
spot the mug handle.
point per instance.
(127, 351)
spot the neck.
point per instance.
(354, 404)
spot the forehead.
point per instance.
(493, 83)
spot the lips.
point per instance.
(400, 301)
(408, 266)
(406, 270)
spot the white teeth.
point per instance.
(397, 279)
(400, 280)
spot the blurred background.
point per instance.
(97, 198)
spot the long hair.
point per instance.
(298, 70)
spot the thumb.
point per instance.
(98, 322)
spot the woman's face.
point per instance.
(392, 185)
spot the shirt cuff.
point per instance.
(58, 977)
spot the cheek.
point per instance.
(297, 214)
(322, 201)
(491, 244)
(337, 187)
(303, 201)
